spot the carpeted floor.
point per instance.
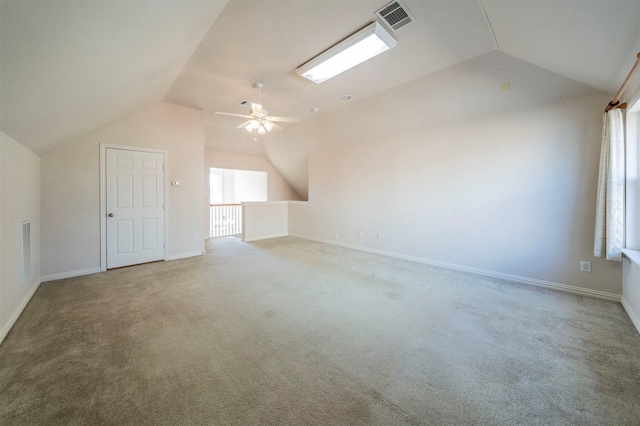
(291, 332)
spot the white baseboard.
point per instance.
(516, 278)
(635, 319)
(185, 255)
(16, 314)
(265, 237)
(70, 274)
(80, 272)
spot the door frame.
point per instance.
(103, 197)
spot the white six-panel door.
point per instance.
(135, 207)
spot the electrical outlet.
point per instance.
(295, 224)
(585, 266)
(379, 236)
(335, 236)
(196, 238)
(360, 234)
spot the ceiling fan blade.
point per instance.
(233, 115)
(283, 119)
(245, 124)
(256, 108)
(259, 122)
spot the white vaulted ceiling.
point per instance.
(70, 67)
(594, 42)
(266, 40)
(67, 68)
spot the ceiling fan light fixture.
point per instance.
(355, 49)
(253, 125)
(259, 121)
(268, 125)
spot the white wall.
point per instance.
(456, 94)
(265, 220)
(277, 188)
(71, 190)
(512, 193)
(249, 185)
(631, 288)
(239, 186)
(19, 201)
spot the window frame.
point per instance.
(632, 174)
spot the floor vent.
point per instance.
(25, 255)
(395, 15)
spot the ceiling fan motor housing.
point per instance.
(259, 121)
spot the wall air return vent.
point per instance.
(395, 15)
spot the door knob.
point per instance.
(110, 215)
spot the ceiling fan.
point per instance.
(260, 122)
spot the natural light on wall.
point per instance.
(228, 186)
(365, 44)
(633, 177)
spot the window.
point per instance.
(227, 189)
(228, 186)
(215, 188)
(632, 211)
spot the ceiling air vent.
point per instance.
(395, 15)
(245, 103)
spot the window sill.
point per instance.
(633, 255)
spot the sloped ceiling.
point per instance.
(68, 68)
(71, 67)
(457, 94)
(265, 41)
(594, 42)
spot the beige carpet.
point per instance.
(291, 332)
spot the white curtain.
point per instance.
(609, 236)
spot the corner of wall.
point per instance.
(19, 201)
